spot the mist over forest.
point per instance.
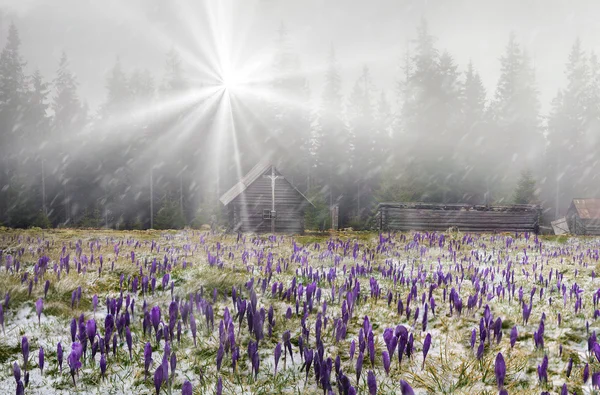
(131, 114)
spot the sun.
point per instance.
(230, 80)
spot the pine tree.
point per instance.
(525, 193)
(361, 124)
(13, 100)
(37, 124)
(13, 88)
(118, 100)
(69, 115)
(475, 145)
(567, 129)
(289, 140)
(333, 141)
(515, 111)
(69, 118)
(174, 80)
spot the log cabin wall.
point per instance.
(248, 207)
(467, 218)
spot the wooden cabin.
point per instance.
(265, 201)
(583, 217)
(464, 217)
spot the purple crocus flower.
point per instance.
(25, 351)
(186, 389)
(277, 355)
(569, 367)
(405, 388)
(352, 349)
(73, 329)
(596, 379)
(129, 341)
(193, 327)
(220, 353)
(513, 336)
(220, 386)
(385, 356)
(480, 350)
(39, 306)
(73, 359)
(371, 348)
(359, 363)
(426, 345)
(543, 370)
(173, 365)
(155, 317)
(158, 379)
(41, 359)
(103, 364)
(90, 329)
(308, 359)
(500, 370)
(59, 355)
(586, 373)
(147, 358)
(371, 383)
(16, 372)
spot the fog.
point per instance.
(234, 82)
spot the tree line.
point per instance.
(436, 135)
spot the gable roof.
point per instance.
(587, 208)
(253, 175)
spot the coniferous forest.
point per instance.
(437, 134)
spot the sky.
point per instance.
(375, 33)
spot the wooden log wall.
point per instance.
(249, 205)
(467, 218)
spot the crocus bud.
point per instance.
(359, 363)
(586, 373)
(500, 370)
(158, 379)
(405, 388)
(371, 383)
(147, 357)
(193, 327)
(426, 345)
(186, 389)
(385, 356)
(277, 355)
(39, 306)
(59, 355)
(41, 359)
(16, 372)
(103, 364)
(25, 351)
(513, 336)
(129, 341)
(220, 386)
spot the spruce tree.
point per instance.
(332, 136)
(525, 192)
(13, 100)
(515, 111)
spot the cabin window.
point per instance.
(268, 214)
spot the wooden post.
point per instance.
(273, 199)
(152, 198)
(273, 177)
(44, 209)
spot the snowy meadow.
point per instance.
(195, 312)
